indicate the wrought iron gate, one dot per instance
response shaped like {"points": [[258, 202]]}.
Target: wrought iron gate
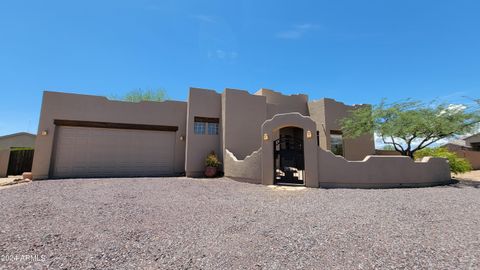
{"points": [[288, 158], [20, 161]]}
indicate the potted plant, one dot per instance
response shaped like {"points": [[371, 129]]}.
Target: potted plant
{"points": [[211, 165]]}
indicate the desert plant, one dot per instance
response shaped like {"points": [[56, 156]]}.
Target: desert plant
{"points": [[212, 160], [456, 163], [20, 149], [138, 95]]}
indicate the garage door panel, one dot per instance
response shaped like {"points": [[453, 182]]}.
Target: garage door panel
{"points": [[99, 152]]}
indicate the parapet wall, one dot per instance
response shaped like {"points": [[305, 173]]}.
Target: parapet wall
{"points": [[380, 171], [246, 170]]}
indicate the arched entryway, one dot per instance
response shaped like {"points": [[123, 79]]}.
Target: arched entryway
{"points": [[297, 126], [288, 157]]}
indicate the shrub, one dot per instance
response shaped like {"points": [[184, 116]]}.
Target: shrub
{"points": [[20, 149], [212, 160], [139, 95], [456, 163]]}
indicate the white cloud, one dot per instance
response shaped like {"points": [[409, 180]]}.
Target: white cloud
{"points": [[456, 107], [306, 26], [453, 109], [297, 31], [289, 34], [204, 18], [222, 55]]}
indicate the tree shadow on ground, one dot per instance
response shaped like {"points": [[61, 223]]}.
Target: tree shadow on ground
{"points": [[464, 183]]}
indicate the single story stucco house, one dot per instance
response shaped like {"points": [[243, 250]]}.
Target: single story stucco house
{"points": [[17, 140], [12, 141], [265, 137]]}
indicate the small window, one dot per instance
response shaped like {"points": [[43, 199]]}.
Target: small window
{"points": [[212, 128], [208, 125], [336, 142], [199, 128]]}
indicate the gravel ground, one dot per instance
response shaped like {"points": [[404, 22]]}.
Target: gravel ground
{"points": [[171, 223]]}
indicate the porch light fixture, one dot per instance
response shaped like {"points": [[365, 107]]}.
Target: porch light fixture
{"points": [[309, 134], [265, 136], [182, 138], [44, 133]]}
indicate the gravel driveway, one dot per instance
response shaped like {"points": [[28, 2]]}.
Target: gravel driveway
{"points": [[172, 223]]}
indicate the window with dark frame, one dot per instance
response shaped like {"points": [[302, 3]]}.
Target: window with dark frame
{"points": [[212, 128], [205, 125], [199, 128], [336, 142]]}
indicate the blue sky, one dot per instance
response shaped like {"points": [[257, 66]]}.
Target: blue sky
{"points": [[353, 51]]}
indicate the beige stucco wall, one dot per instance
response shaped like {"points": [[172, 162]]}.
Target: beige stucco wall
{"points": [[64, 106], [380, 171], [243, 116], [327, 113], [279, 103], [4, 158], [17, 140], [247, 170], [317, 114], [381, 152], [202, 103]]}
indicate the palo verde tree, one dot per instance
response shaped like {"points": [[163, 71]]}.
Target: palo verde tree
{"points": [[410, 126]]}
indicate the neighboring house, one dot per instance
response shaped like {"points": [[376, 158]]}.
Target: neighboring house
{"points": [[473, 141], [16, 140], [265, 137], [468, 148]]}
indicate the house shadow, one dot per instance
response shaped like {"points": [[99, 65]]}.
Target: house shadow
{"points": [[464, 183]]}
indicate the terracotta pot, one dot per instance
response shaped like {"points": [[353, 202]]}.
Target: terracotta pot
{"points": [[210, 171]]}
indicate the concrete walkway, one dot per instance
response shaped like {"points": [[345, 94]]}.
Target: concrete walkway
{"points": [[11, 181], [469, 176]]}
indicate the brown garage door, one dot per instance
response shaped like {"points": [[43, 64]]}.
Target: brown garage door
{"points": [[102, 152]]}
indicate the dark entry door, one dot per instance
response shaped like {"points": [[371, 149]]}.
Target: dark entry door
{"points": [[289, 165]]}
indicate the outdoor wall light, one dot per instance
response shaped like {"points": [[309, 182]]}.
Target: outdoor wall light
{"points": [[309, 134], [182, 138], [265, 136], [44, 132]]}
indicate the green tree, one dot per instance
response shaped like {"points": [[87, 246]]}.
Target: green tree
{"points": [[138, 95], [456, 163], [410, 126]]}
